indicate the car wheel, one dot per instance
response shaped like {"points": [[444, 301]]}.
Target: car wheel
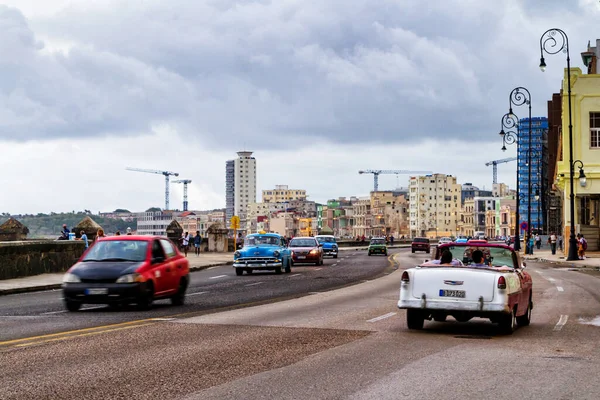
{"points": [[413, 251], [335, 256], [288, 267], [507, 323], [385, 254], [179, 298], [239, 271], [145, 299], [248, 270], [525, 319], [72, 305], [369, 253], [414, 319], [322, 261], [278, 270]]}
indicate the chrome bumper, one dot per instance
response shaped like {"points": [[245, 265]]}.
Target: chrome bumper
{"points": [[475, 306]]}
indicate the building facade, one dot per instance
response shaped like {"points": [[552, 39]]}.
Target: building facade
{"points": [[240, 186], [468, 191], [281, 194], [435, 202], [154, 222]]}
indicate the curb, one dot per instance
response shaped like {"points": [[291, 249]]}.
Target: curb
{"points": [[41, 288], [565, 263]]}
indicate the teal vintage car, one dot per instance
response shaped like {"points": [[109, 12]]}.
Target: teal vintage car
{"points": [[263, 251]]}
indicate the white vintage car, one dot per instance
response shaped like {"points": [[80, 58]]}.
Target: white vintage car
{"points": [[494, 286]]}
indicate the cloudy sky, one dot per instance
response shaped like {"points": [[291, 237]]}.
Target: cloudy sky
{"points": [[317, 89]]}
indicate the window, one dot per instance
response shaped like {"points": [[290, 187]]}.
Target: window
{"points": [[168, 247], [595, 130]]}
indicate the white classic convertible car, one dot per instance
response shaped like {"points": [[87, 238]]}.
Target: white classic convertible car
{"points": [[467, 280]]}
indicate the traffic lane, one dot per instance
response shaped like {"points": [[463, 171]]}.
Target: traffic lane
{"points": [[41, 313]]}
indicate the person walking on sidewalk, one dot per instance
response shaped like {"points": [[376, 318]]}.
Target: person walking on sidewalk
{"points": [[582, 246], [197, 241], [185, 243], [538, 241], [552, 239]]}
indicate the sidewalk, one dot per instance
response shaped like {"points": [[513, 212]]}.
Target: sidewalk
{"points": [[53, 281], [592, 259]]}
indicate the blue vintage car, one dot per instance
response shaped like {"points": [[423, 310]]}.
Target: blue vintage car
{"points": [[263, 251], [330, 246]]}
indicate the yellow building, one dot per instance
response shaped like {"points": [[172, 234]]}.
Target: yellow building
{"points": [[585, 103], [281, 194]]}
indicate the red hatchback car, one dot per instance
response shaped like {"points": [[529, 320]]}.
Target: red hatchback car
{"points": [[306, 250], [119, 270]]}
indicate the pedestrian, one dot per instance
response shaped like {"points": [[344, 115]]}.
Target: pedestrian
{"points": [[100, 234], [538, 241], [128, 231], [552, 240], [84, 238], [530, 242], [64, 233], [118, 233], [197, 241], [560, 242], [581, 246], [186, 243], [392, 240]]}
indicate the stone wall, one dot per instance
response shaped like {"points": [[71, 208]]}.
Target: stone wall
{"points": [[33, 257]]}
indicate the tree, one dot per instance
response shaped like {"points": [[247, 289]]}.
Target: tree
{"points": [[122, 210], [153, 209]]}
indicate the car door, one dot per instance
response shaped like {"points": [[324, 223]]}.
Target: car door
{"points": [[525, 283], [172, 266], [158, 268], [285, 251]]}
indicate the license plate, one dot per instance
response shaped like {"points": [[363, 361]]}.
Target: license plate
{"points": [[96, 291], [301, 257], [452, 293]]}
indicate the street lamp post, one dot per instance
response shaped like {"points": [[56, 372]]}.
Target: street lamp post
{"points": [[510, 121], [520, 96], [550, 45], [535, 188]]}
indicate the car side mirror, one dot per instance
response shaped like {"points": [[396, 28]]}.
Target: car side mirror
{"points": [[320, 244]]}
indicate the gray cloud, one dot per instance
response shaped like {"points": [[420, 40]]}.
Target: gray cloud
{"points": [[272, 73]]}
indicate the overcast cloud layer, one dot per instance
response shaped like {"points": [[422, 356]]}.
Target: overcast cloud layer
{"points": [[318, 89]]}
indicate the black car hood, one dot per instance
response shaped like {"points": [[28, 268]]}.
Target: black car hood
{"points": [[104, 269]]}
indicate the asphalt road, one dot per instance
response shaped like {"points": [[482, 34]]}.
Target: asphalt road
{"points": [[350, 343], [39, 313]]}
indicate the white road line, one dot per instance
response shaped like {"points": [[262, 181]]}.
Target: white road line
{"points": [[561, 322], [560, 289], [195, 294], [163, 319], [254, 284], [92, 308], [218, 276], [209, 268], [384, 316], [551, 279], [318, 269], [295, 275], [54, 312]]}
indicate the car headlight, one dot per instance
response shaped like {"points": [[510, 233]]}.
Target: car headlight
{"points": [[130, 278], [276, 253], [314, 251], [71, 278], [237, 254]]}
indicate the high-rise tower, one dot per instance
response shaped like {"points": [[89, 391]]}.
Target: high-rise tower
{"points": [[240, 186]]}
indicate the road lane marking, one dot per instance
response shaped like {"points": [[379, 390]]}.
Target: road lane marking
{"points": [[55, 312], [318, 269], [92, 307], [218, 276], [561, 322], [211, 268], [560, 289], [551, 279], [81, 335], [74, 332], [295, 275], [195, 294], [254, 284], [384, 316]]}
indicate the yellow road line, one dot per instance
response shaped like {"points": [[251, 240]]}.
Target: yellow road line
{"points": [[76, 331], [82, 335]]}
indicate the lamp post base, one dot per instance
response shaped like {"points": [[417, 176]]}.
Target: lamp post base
{"points": [[573, 245]]}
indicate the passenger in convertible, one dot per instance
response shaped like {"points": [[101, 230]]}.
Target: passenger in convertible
{"points": [[477, 257]]}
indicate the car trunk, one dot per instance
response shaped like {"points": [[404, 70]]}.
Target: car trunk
{"points": [[475, 283]]}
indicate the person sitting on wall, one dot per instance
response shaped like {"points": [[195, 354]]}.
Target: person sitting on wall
{"points": [[64, 234]]}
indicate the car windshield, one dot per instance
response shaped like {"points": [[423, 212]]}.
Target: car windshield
{"points": [[261, 240], [325, 239], [377, 241], [302, 243], [492, 256], [117, 250]]}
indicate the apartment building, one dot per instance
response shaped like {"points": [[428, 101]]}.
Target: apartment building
{"points": [[154, 222], [282, 193], [434, 205], [240, 186]]}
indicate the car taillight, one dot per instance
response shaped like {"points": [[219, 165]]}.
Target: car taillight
{"points": [[501, 283], [405, 277]]}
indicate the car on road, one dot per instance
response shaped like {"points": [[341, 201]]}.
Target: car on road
{"points": [[444, 240], [461, 239], [306, 250], [330, 246], [420, 244], [263, 251], [498, 288], [120, 270], [377, 246]]}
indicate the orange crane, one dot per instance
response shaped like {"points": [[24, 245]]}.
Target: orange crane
{"points": [[376, 173], [165, 173], [185, 183]]}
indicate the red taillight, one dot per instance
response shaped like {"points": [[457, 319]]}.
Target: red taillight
{"points": [[405, 277], [501, 283]]}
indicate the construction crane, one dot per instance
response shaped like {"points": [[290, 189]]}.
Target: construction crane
{"points": [[387, 171], [165, 173], [185, 183], [495, 163]]}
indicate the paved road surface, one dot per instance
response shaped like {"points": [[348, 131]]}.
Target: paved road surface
{"points": [[350, 343]]}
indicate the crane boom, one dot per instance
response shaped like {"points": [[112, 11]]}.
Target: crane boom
{"points": [[494, 165], [376, 173], [185, 198], [167, 174]]}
